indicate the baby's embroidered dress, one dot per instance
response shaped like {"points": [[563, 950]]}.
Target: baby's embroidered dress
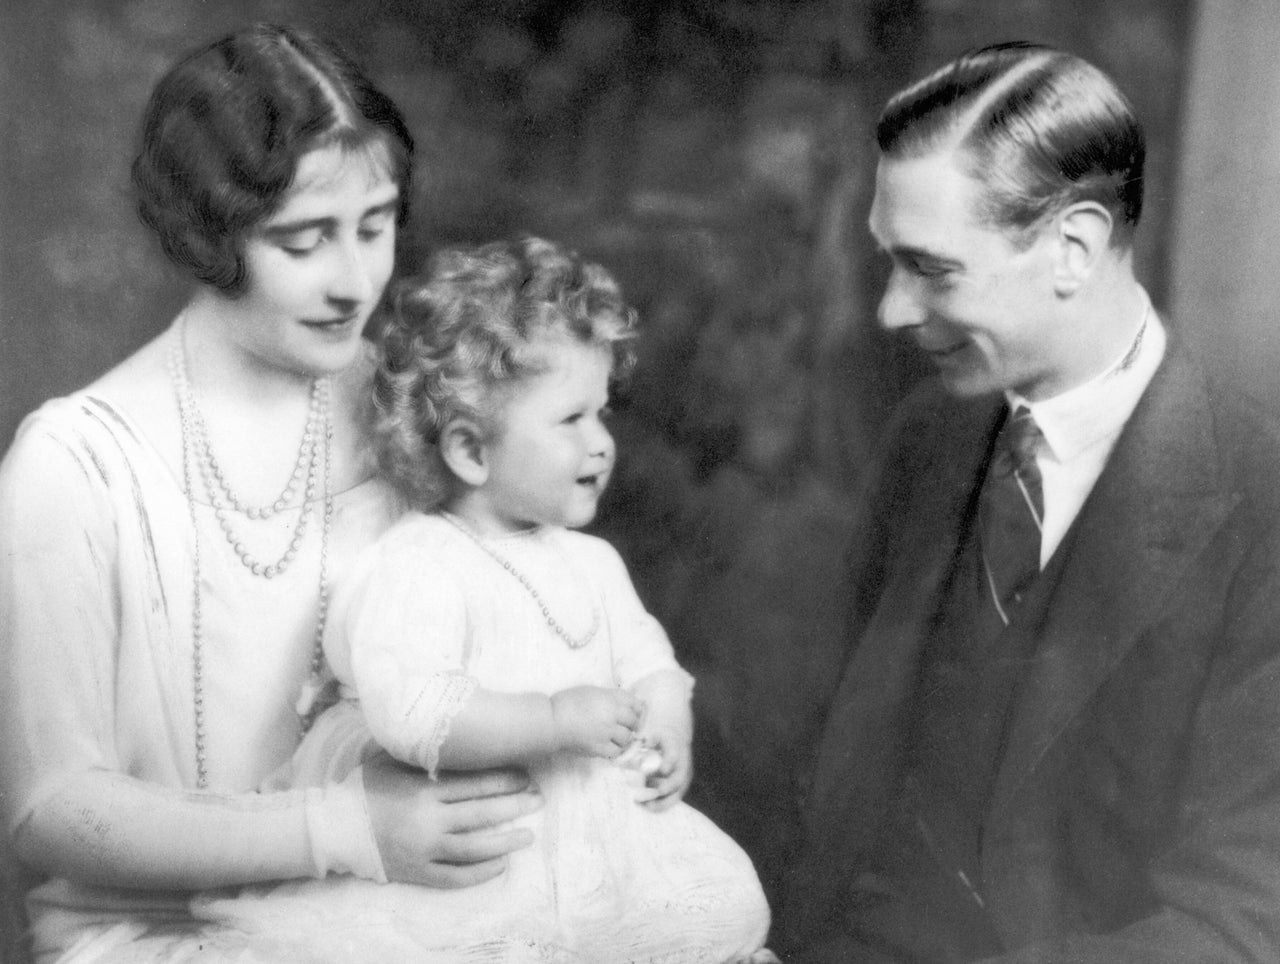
{"points": [[427, 616]]}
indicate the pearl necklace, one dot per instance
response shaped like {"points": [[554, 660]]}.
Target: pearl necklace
{"points": [[573, 642], [221, 495], [196, 449], [304, 465]]}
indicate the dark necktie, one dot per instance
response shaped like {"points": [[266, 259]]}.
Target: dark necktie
{"points": [[1010, 513]]}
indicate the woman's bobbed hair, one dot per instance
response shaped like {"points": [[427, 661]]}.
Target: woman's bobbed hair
{"points": [[1038, 128], [225, 128], [462, 333]]}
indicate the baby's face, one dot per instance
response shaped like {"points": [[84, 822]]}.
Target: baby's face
{"points": [[549, 455]]}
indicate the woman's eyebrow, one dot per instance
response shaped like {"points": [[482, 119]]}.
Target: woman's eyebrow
{"points": [[386, 207], [282, 228]]}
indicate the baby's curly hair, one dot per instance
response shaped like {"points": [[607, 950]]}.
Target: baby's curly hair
{"points": [[469, 326]]}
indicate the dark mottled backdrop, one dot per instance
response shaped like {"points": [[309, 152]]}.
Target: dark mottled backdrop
{"points": [[714, 153]]}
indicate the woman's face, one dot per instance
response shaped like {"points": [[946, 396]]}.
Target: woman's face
{"points": [[317, 267]]}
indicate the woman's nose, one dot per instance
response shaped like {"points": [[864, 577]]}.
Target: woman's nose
{"points": [[352, 279]]}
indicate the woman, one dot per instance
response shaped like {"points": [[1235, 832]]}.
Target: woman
{"points": [[170, 534]]}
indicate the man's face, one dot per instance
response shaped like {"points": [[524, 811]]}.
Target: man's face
{"points": [[982, 307]]}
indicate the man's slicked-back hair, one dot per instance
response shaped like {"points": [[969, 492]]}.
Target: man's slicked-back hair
{"points": [[224, 131], [1040, 129]]}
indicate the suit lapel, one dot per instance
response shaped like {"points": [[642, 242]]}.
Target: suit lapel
{"points": [[1153, 510], [858, 755]]}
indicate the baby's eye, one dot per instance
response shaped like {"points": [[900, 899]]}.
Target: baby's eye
{"points": [[573, 418]]}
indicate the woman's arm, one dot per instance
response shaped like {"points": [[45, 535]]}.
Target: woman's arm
{"points": [[66, 796], [110, 829], [69, 498]]}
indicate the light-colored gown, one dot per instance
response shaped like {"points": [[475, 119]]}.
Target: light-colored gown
{"points": [[96, 590], [427, 615]]}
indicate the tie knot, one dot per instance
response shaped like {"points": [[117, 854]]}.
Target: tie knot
{"points": [[1019, 439]]}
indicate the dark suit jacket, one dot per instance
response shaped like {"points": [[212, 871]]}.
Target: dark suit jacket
{"points": [[1136, 810]]}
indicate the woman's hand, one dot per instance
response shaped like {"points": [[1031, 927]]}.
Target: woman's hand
{"points": [[446, 832], [594, 720]]}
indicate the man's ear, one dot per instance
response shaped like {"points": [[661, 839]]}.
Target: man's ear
{"points": [[463, 451], [1083, 239]]}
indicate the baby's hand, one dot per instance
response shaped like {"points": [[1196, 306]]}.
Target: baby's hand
{"points": [[666, 784], [595, 721]]}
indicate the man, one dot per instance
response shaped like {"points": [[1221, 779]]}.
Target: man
{"points": [[1057, 733]]}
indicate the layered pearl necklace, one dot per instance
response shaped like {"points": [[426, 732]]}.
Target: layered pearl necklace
{"points": [[312, 464], [573, 642]]}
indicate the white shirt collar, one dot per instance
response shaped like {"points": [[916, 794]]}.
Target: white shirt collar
{"points": [[1095, 411]]}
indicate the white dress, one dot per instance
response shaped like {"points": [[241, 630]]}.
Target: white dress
{"points": [[96, 712], [427, 615]]}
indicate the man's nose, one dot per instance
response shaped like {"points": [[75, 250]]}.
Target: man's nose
{"points": [[899, 306]]}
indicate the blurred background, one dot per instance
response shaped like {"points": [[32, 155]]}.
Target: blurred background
{"points": [[717, 156]]}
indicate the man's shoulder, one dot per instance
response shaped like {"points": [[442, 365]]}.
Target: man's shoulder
{"points": [[1243, 432], [1249, 438]]}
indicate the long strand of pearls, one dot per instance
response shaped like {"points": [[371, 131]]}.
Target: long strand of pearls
{"points": [[220, 494], [197, 653], [306, 456], [197, 451]]}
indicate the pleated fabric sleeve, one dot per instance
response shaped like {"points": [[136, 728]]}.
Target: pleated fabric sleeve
{"points": [[97, 760]]}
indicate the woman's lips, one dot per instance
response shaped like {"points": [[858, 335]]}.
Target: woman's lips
{"points": [[330, 324]]}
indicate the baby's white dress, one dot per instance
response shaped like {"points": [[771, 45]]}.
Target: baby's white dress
{"points": [[426, 616]]}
